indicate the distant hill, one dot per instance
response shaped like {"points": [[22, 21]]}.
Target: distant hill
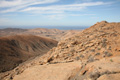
{"points": [[17, 49], [11, 31], [55, 34]]}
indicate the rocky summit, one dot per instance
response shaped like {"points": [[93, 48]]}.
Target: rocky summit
{"points": [[92, 54]]}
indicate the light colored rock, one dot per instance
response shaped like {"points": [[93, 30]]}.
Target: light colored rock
{"points": [[101, 70], [61, 71], [110, 77], [102, 37]]}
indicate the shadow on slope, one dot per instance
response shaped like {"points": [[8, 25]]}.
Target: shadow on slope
{"points": [[17, 49]]}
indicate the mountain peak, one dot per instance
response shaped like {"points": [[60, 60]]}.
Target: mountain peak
{"points": [[103, 22]]}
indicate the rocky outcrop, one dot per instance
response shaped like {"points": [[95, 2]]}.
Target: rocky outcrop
{"points": [[61, 71], [106, 68], [99, 41], [100, 70]]}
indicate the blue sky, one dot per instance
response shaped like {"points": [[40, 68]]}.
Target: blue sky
{"points": [[36, 13]]}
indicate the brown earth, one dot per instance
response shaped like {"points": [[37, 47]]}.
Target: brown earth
{"points": [[11, 31], [99, 41], [17, 49], [103, 69], [55, 34], [92, 54]]}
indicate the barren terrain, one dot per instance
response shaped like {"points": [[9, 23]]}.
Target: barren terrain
{"points": [[92, 54], [55, 34], [17, 49]]}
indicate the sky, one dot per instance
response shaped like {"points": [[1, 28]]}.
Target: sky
{"points": [[57, 13]]}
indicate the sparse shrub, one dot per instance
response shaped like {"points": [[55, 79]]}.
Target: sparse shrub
{"points": [[97, 54], [107, 54], [94, 75], [77, 58], [69, 55], [104, 43], [105, 72], [109, 48], [111, 60], [82, 56], [92, 50], [99, 48], [104, 40], [91, 59]]}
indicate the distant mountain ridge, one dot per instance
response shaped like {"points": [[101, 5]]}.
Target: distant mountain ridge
{"points": [[55, 34]]}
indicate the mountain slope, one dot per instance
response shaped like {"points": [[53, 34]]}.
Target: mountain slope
{"points": [[17, 49], [98, 41], [93, 54], [103, 69]]}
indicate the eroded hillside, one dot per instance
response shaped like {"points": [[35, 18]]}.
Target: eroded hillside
{"points": [[93, 54], [17, 49]]}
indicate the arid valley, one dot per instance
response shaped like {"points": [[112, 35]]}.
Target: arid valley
{"points": [[90, 54], [59, 39]]}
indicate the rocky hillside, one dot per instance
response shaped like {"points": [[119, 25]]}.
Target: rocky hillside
{"points": [[99, 41], [104, 69], [93, 54], [17, 49]]}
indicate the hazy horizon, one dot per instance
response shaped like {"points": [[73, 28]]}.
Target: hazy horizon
{"points": [[49, 27]]}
